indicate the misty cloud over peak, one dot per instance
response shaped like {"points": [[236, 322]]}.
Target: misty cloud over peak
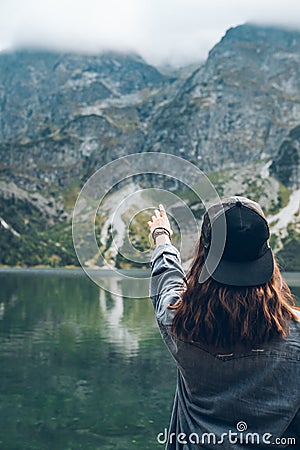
{"points": [[162, 31]]}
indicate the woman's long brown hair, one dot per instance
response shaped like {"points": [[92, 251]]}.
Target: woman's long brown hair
{"points": [[224, 316]]}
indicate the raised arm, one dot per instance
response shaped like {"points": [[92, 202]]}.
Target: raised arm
{"points": [[167, 274]]}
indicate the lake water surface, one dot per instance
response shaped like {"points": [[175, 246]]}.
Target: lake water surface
{"points": [[81, 368]]}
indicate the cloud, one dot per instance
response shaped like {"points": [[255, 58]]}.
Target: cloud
{"points": [[174, 31]]}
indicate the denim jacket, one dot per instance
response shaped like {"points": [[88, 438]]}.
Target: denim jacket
{"points": [[229, 401]]}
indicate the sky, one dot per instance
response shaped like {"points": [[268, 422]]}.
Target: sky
{"points": [[176, 32]]}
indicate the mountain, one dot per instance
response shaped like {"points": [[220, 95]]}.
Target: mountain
{"points": [[59, 111], [236, 116], [237, 107]]}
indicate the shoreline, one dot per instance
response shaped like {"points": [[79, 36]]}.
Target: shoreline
{"points": [[293, 278], [139, 273]]}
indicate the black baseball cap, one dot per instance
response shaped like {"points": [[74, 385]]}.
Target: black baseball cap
{"points": [[246, 258]]}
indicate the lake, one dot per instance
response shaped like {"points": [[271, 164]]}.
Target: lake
{"points": [[81, 368]]}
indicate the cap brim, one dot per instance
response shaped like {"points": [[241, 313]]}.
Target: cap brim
{"points": [[243, 273]]}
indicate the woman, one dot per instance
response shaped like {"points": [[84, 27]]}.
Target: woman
{"points": [[233, 331]]}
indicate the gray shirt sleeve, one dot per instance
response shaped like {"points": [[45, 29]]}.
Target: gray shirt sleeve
{"points": [[166, 281]]}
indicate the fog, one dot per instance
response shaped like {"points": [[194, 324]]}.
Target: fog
{"points": [[163, 31]]}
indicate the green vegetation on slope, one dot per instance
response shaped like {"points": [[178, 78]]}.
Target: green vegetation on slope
{"points": [[44, 244], [38, 243], [289, 255]]}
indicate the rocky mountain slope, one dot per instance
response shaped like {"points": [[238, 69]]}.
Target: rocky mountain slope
{"points": [[240, 105], [236, 116], [58, 112]]}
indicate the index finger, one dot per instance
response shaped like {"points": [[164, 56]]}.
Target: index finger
{"points": [[162, 209]]}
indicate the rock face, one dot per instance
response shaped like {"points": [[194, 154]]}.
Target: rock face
{"points": [[65, 115], [62, 113], [286, 164], [240, 105]]}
